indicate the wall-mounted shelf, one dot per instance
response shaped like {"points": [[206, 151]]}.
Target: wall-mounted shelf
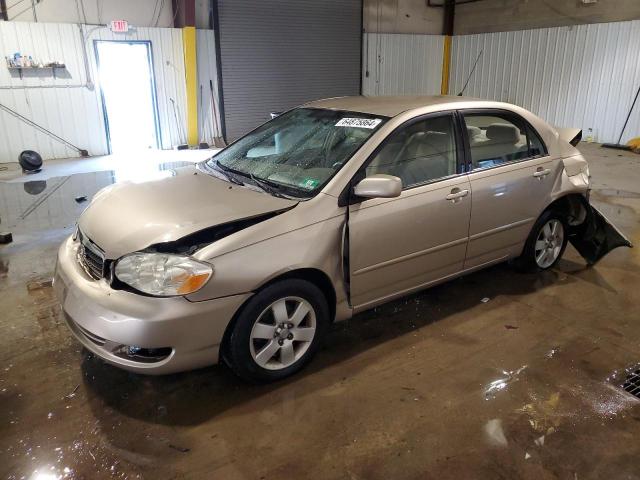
{"points": [[51, 67]]}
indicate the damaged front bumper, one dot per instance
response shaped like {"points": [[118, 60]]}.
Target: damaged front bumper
{"points": [[140, 333]]}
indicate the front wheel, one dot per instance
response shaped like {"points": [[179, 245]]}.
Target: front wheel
{"points": [[278, 331], [546, 243]]}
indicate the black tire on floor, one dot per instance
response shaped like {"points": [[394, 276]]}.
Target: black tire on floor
{"points": [[237, 352], [30, 160], [526, 262]]}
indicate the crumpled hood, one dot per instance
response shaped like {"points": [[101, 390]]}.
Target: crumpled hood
{"points": [[127, 217]]}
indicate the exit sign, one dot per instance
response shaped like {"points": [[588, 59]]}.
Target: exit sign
{"points": [[119, 26]]}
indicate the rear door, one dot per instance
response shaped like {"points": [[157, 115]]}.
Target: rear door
{"points": [[511, 177], [400, 244]]}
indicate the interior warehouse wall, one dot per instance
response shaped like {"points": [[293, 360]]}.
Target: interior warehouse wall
{"points": [[509, 15], [69, 105], [583, 77], [209, 127], [401, 64], [144, 13]]}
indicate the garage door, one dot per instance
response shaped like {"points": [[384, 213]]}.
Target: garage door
{"points": [[276, 54]]}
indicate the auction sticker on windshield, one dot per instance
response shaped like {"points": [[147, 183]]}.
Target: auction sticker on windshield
{"points": [[359, 122]]}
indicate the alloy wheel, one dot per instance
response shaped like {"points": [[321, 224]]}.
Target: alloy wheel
{"points": [[283, 333], [549, 243]]}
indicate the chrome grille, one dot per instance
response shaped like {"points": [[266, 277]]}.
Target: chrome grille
{"points": [[90, 257]]}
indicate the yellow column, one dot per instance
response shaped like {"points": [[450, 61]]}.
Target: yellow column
{"points": [[191, 79], [446, 63]]}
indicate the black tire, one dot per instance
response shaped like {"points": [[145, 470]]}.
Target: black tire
{"points": [[30, 161], [527, 260], [237, 348]]}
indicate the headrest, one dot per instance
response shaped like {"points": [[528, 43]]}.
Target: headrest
{"points": [[503, 133], [473, 131]]}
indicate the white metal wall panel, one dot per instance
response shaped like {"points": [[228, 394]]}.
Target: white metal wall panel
{"points": [[401, 64], [582, 76], [277, 54], [64, 104], [208, 121]]}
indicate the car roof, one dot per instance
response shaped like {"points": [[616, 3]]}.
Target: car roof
{"points": [[392, 105]]}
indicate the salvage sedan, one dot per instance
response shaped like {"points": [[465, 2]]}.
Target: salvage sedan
{"points": [[327, 210]]}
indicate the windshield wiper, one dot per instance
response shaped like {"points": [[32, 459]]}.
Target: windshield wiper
{"points": [[268, 187], [225, 171], [271, 188]]}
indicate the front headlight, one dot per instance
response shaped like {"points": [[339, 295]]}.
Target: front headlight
{"points": [[162, 274]]}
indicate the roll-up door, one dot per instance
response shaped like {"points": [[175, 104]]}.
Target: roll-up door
{"points": [[276, 54]]}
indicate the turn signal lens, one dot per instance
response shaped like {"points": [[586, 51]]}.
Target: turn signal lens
{"points": [[193, 283]]}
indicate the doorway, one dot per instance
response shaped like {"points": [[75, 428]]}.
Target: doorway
{"points": [[127, 87]]}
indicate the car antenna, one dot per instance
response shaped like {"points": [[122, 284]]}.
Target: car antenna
{"points": [[471, 74]]}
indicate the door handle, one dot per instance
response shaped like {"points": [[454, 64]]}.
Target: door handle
{"points": [[540, 173], [456, 194]]}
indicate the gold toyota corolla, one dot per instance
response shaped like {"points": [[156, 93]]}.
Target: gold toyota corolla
{"points": [[325, 211]]}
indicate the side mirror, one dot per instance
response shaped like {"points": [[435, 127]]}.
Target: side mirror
{"points": [[379, 186]]}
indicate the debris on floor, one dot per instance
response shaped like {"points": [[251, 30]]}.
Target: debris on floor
{"points": [[179, 449], [73, 393], [6, 237], [485, 299], [511, 327], [552, 353], [80, 199], [494, 433]]}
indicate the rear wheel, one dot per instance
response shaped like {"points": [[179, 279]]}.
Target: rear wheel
{"points": [[546, 243], [278, 331]]}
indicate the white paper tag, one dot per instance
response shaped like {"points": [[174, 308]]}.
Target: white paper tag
{"points": [[359, 122]]}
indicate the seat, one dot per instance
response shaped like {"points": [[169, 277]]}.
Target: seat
{"points": [[503, 143], [425, 156]]}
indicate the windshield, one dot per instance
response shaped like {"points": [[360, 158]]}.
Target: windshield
{"points": [[297, 152]]}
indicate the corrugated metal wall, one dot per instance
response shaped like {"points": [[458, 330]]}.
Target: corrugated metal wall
{"points": [[208, 123], [401, 64], [583, 76], [281, 53], [64, 104]]}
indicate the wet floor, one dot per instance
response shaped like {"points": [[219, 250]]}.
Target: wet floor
{"points": [[495, 375]]}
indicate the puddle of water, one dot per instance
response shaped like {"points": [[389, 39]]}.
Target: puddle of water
{"points": [[40, 205], [501, 383], [47, 205]]}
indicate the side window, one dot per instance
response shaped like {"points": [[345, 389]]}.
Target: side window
{"points": [[495, 139], [536, 147], [419, 153]]}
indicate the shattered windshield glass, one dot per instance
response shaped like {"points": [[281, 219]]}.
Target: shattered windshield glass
{"points": [[298, 152]]}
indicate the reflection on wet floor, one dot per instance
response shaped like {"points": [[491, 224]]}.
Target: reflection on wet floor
{"points": [[50, 204], [442, 384]]}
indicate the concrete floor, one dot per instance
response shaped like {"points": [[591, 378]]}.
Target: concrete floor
{"points": [[438, 385]]}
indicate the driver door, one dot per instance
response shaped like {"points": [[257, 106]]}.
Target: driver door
{"points": [[401, 244]]}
